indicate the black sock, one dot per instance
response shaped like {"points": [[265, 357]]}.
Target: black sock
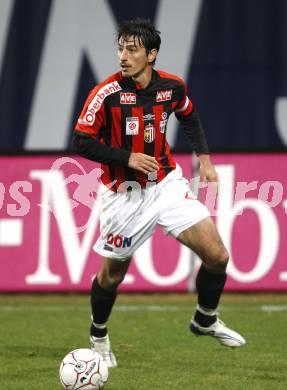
{"points": [[203, 319], [102, 302], [209, 287]]}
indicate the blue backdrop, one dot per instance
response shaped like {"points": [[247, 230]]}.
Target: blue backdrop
{"points": [[236, 71]]}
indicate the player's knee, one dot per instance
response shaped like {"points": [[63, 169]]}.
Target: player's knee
{"points": [[111, 280], [116, 279], [220, 260]]}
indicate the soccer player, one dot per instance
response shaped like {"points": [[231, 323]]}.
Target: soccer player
{"points": [[123, 125]]}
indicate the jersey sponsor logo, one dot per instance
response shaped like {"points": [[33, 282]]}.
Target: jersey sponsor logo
{"points": [[164, 115], [132, 125], [149, 133], [149, 117], [164, 95], [128, 98], [119, 241], [162, 126], [97, 101]]}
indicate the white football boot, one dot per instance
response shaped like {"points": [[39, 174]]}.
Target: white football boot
{"points": [[102, 345], [218, 330]]}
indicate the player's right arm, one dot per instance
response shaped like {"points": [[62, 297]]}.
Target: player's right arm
{"points": [[143, 163], [88, 143], [93, 149]]}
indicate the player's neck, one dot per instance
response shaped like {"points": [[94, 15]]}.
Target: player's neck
{"points": [[143, 79]]}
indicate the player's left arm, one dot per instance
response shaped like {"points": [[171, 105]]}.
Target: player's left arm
{"points": [[207, 171], [189, 119]]}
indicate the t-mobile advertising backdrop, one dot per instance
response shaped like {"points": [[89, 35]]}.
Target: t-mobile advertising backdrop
{"points": [[49, 222]]}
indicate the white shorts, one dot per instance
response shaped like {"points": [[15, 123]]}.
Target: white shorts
{"points": [[128, 219]]}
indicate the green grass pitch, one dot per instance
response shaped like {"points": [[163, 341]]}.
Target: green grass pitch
{"points": [[151, 339]]}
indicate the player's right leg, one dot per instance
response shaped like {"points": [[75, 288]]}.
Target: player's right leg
{"points": [[127, 220], [103, 296]]}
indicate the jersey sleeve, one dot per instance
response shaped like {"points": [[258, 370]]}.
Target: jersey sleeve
{"points": [[87, 140], [189, 119], [93, 149], [184, 106]]}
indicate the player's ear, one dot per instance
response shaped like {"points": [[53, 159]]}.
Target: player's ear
{"points": [[152, 55]]}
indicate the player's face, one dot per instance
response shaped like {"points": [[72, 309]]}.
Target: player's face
{"points": [[133, 57]]}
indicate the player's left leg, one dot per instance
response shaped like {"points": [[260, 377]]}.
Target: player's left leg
{"points": [[204, 239]]}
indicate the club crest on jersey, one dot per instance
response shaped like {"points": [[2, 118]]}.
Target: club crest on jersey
{"points": [[149, 133], [132, 125], [164, 95], [128, 98], [162, 126]]}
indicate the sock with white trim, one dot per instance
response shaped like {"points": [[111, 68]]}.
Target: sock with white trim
{"points": [[209, 286]]}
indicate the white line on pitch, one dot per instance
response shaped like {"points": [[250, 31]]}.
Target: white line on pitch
{"points": [[272, 308], [126, 308], [123, 308], [148, 308]]}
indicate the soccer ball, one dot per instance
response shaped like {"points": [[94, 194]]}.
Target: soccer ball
{"points": [[83, 369]]}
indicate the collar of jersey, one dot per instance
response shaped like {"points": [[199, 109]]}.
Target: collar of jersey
{"points": [[136, 87]]}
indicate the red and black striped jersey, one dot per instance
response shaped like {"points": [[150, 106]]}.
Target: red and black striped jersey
{"points": [[125, 118]]}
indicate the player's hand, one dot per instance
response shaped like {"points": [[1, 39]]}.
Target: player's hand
{"points": [[143, 163], [207, 171]]}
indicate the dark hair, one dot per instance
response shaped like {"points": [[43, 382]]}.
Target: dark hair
{"points": [[144, 30]]}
